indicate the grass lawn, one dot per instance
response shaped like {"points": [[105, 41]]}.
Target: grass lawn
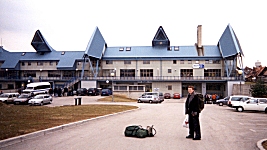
{"points": [[17, 120]]}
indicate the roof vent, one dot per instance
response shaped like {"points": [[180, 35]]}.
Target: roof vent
{"points": [[121, 49], [22, 54], [63, 53], [128, 48]]}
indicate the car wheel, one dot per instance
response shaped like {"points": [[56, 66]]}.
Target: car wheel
{"points": [[266, 110], [41, 104], [220, 104], [50, 102], [239, 109], [139, 101], [150, 101]]}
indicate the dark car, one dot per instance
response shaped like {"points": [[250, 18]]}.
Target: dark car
{"points": [[167, 95], [22, 99], [222, 102], [93, 91], [81, 92], [106, 92]]}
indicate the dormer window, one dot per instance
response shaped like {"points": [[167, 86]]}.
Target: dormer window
{"points": [[169, 48], [176, 48], [128, 48], [63, 53], [22, 54], [121, 49]]}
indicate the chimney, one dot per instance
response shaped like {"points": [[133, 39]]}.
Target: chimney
{"points": [[199, 46]]}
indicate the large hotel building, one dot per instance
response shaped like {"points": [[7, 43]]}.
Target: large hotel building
{"points": [[129, 70]]}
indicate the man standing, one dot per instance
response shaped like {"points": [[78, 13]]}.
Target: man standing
{"points": [[192, 109]]}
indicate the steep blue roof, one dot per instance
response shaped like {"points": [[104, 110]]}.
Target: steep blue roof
{"points": [[229, 44], [39, 43], [96, 45]]}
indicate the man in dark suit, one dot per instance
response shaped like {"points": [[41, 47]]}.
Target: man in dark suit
{"points": [[192, 109]]}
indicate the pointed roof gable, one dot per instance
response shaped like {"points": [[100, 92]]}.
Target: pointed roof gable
{"points": [[96, 45], [39, 43], [229, 44], [161, 38]]}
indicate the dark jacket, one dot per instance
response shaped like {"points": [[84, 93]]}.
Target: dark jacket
{"points": [[192, 104]]}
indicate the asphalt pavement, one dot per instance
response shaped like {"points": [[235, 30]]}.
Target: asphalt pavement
{"points": [[221, 128]]}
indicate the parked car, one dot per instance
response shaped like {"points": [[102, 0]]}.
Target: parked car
{"points": [[22, 99], [223, 101], [93, 91], [8, 97], [256, 104], [41, 100], [176, 96], [234, 101], [157, 94], [106, 92], [148, 99], [167, 95], [81, 92]]}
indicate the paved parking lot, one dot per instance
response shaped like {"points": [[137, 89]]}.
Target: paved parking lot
{"points": [[221, 127]]}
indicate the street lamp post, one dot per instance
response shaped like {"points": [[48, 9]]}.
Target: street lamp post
{"points": [[240, 72], [112, 75]]}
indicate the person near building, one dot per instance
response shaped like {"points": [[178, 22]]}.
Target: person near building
{"points": [[192, 109]]}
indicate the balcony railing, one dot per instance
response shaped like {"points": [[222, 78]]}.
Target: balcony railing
{"points": [[118, 78]]}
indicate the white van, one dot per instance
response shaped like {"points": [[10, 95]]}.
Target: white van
{"points": [[158, 94], [236, 100], [37, 88], [8, 97]]}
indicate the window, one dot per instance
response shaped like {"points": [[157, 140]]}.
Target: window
{"points": [[186, 72], [52, 73], [216, 62], [29, 63], [51, 63], [146, 62], [127, 62], [128, 48], [29, 73], [121, 49], [212, 72], [22, 63], [169, 70], [176, 48], [181, 61], [206, 61], [127, 72], [189, 61], [169, 87], [169, 48], [174, 61], [40, 63], [109, 62], [146, 72]]}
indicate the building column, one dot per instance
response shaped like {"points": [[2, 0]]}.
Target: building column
{"points": [[204, 89]]}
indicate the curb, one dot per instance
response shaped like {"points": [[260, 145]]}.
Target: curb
{"points": [[259, 144], [21, 138]]}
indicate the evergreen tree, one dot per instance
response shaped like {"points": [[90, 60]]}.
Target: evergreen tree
{"points": [[259, 89]]}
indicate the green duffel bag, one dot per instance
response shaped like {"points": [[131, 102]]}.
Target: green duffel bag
{"points": [[141, 133], [131, 130]]}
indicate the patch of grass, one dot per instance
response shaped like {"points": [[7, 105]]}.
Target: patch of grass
{"points": [[117, 98], [17, 120]]}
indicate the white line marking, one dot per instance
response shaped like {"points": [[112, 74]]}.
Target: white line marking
{"points": [[252, 130], [241, 123]]}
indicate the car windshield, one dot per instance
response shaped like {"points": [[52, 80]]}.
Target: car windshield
{"points": [[24, 96], [38, 97], [4, 95], [105, 90]]}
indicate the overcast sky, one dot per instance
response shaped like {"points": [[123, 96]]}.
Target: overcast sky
{"points": [[68, 25]]}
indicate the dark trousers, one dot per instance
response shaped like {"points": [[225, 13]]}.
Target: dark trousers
{"points": [[194, 126]]}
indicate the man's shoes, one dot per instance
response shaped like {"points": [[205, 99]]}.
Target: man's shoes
{"points": [[196, 138], [189, 137]]}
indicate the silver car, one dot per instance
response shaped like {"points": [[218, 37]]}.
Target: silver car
{"points": [[41, 100], [148, 99]]}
